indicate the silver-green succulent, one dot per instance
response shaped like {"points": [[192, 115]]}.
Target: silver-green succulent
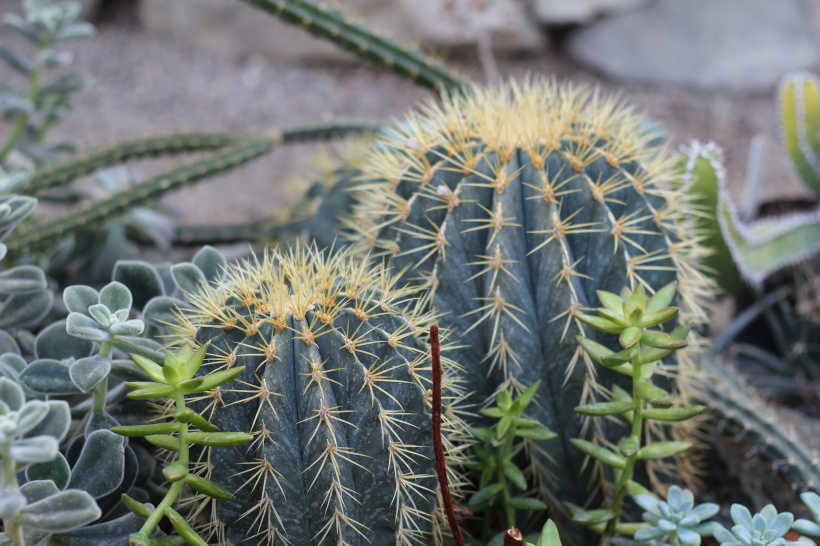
{"points": [[675, 521], [766, 528]]}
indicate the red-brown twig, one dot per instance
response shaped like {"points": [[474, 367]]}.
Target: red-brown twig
{"points": [[441, 465], [513, 537]]}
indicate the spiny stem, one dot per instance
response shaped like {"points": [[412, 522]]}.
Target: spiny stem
{"points": [[101, 390], [12, 529], [438, 448]]}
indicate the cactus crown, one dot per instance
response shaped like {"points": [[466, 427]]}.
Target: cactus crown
{"points": [[336, 394]]}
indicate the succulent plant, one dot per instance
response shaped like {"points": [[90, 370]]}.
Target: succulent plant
{"points": [[175, 380], [336, 394], [766, 528], [43, 104], [812, 502], [676, 521], [30, 432], [513, 206]]}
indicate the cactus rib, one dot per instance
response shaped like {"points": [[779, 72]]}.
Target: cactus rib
{"points": [[740, 410], [798, 98], [349, 34]]}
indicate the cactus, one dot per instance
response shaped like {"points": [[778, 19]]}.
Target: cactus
{"points": [[352, 35], [704, 176], [336, 394], [513, 206], [798, 101]]}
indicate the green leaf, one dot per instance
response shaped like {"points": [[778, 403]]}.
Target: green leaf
{"points": [[527, 396], [630, 337], [515, 475], [662, 450], [151, 368], [193, 362], [493, 413], [485, 494], [637, 300], [620, 358], [188, 277], [146, 430], [49, 377], [658, 317], [615, 318], [171, 375], [673, 415], [85, 327], [191, 385], [139, 539], [213, 490], [57, 471], [522, 422], [219, 439], [549, 535], [653, 395], [100, 468], [662, 298], [211, 262], [594, 349], [611, 301], [175, 471], [116, 296], [662, 341], [87, 373], [587, 517], [141, 510], [216, 379], [189, 416], [605, 408], [483, 434], [541, 434], [503, 426], [184, 529], [602, 324], [528, 503], [147, 391], [169, 443], [600, 453]]}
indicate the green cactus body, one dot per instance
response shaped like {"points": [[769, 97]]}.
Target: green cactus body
{"points": [[514, 206], [703, 178], [798, 100], [335, 392]]}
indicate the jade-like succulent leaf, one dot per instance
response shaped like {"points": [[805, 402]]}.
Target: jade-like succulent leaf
{"points": [[24, 310], [22, 280], [39, 449], [11, 394], [132, 327], [50, 377], [87, 373], [11, 502], [8, 344], [30, 415], [188, 277], [211, 262], [85, 327], [62, 512], [116, 296], [162, 311], [79, 298], [101, 466], [110, 533], [54, 342], [57, 471], [141, 279], [56, 423], [38, 490]]}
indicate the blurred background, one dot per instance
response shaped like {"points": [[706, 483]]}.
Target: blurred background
{"points": [[704, 69]]}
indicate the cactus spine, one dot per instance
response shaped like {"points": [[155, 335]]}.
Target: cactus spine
{"points": [[514, 205], [336, 395]]}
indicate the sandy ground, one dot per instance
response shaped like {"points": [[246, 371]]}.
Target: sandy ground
{"points": [[143, 85]]}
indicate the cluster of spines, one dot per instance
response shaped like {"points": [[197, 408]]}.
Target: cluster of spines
{"points": [[357, 37], [294, 284], [539, 118]]}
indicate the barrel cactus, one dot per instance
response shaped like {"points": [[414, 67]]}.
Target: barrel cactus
{"points": [[512, 207], [336, 393]]}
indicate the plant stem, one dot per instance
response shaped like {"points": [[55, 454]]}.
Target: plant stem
{"points": [[33, 89], [13, 530], [101, 390], [176, 488], [504, 455], [635, 437]]}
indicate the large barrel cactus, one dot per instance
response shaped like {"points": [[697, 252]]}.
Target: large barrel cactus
{"points": [[512, 207], [336, 394]]}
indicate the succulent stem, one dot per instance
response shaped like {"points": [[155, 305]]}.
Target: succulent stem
{"points": [[12, 529], [101, 390]]}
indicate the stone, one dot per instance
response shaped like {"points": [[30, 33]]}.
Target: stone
{"points": [[739, 45], [237, 29], [562, 12]]}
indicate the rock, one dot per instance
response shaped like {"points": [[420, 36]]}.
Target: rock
{"points": [[740, 45], [580, 11], [237, 29]]}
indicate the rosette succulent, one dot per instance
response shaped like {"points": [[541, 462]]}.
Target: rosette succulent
{"points": [[766, 528], [676, 520]]}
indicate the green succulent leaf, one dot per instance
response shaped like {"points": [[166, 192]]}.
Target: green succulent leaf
{"points": [[620, 358], [541, 434], [674, 414], [150, 367], [605, 408], [62, 512], [594, 349], [146, 430], [11, 502], [164, 441], [191, 417], [88, 372], [175, 471], [630, 337], [138, 508], [85, 327], [603, 324], [211, 262], [39, 449], [49, 377], [141, 279], [483, 434], [184, 529], [493, 413], [515, 475], [662, 341], [587, 517], [662, 298], [207, 487], [54, 343], [148, 391], [600, 453], [661, 450], [216, 379], [549, 535], [219, 439], [658, 317], [100, 469], [528, 503], [11, 394], [485, 494], [654, 395], [79, 298], [188, 277], [56, 422], [56, 471]]}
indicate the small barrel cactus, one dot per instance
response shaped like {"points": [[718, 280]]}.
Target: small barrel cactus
{"points": [[514, 206], [336, 394]]}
